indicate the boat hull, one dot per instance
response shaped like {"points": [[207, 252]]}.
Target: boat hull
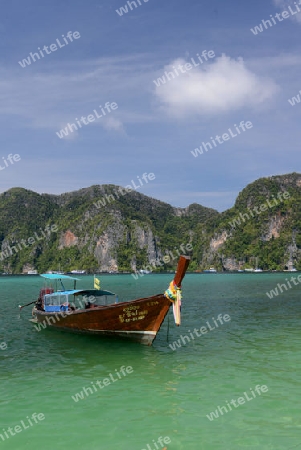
{"points": [[138, 320]]}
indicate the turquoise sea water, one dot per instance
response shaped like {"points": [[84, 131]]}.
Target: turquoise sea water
{"points": [[169, 393]]}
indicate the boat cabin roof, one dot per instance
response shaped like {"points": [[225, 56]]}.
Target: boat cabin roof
{"points": [[56, 276], [95, 292], [59, 301], [71, 292]]}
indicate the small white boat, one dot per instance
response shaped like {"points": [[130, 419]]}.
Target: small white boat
{"points": [[257, 269], [144, 271]]}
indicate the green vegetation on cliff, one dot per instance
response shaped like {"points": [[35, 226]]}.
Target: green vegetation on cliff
{"points": [[97, 229]]}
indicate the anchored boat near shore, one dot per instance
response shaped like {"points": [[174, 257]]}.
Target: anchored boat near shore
{"points": [[77, 310], [211, 270]]}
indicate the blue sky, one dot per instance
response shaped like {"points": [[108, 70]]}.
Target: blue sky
{"points": [[116, 59]]}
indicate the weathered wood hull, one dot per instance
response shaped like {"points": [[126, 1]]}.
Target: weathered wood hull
{"points": [[138, 320]]}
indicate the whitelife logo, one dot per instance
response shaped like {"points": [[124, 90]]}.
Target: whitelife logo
{"points": [[3, 346], [161, 441], [259, 209], [158, 262], [70, 128], [8, 250], [124, 9], [203, 330], [295, 100], [244, 126], [183, 68], [53, 48], [270, 23], [240, 400], [57, 317], [18, 428], [274, 292], [108, 198], [10, 160], [106, 382]]}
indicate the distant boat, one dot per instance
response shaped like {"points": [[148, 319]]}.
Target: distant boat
{"points": [[210, 270], [144, 271], [32, 272], [57, 272], [78, 272], [74, 310], [257, 269], [291, 268]]}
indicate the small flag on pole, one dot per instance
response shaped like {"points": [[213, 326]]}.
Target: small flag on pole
{"points": [[96, 283]]}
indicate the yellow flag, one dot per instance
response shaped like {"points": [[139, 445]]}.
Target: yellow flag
{"points": [[96, 283]]}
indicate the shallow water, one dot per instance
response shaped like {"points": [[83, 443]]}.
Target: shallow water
{"points": [[169, 393]]}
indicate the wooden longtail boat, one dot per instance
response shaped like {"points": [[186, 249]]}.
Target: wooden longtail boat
{"points": [[138, 320]]}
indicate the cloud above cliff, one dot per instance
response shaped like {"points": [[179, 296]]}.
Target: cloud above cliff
{"points": [[219, 87]]}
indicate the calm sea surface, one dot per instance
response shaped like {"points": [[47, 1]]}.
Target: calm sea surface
{"points": [[169, 393]]}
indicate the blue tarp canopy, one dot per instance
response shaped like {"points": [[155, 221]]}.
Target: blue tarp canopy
{"points": [[95, 292], [72, 292], [56, 276]]}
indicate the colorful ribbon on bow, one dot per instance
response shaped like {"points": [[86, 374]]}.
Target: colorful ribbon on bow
{"points": [[174, 294]]}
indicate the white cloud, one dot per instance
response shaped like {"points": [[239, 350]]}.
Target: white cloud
{"points": [[220, 87], [51, 99], [284, 4], [112, 124]]}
